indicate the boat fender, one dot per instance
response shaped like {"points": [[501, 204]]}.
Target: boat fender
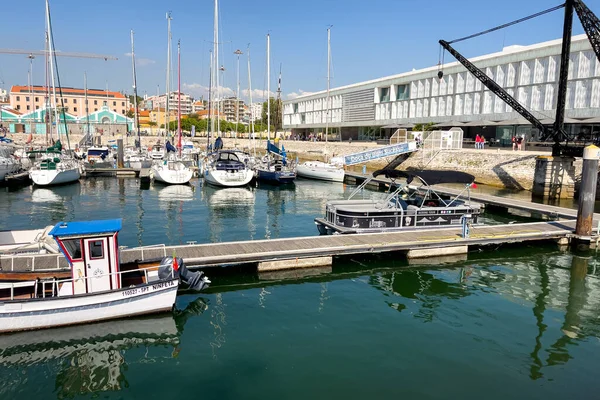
{"points": [[265, 159]]}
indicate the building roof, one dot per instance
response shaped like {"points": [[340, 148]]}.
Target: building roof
{"points": [[68, 91], [79, 228]]}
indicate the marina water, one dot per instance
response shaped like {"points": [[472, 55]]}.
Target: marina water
{"points": [[511, 322]]}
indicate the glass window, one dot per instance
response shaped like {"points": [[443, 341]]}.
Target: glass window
{"points": [[18, 98], [384, 94], [37, 99], [122, 104], [28, 108], [75, 109], [114, 103], [74, 101], [95, 102], [27, 98], [402, 92], [73, 247], [96, 249]]}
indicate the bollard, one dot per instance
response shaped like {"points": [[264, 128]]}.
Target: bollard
{"points": [[119, 153], [364, 169], [587, 193], [465, 221]]}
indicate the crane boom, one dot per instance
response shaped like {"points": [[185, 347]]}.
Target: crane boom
{"points": [[57, 53], [590, 24]]}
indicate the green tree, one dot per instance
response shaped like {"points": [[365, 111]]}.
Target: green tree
{"points": [[152, 123], [130, 114], [139, 99], [276, 113], [427, 127]]}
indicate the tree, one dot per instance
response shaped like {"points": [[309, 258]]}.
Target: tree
{"points": [[152, 123], [139, 99], [276, 113], [427, 127], [130, 114]]}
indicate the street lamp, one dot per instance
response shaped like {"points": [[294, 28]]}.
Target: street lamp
{"points": [[238, 52]]}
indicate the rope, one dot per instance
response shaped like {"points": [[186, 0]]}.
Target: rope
{"points": [[509, 24]]}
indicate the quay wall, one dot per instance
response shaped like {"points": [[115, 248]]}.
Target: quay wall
{"points": [[502, 168]]}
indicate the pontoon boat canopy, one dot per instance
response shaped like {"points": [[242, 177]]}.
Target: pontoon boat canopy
{"points": [[430, 177]]}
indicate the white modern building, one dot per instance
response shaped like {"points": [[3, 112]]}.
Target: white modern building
{"points": [[528, 73], [161, 102], [256, 112]]}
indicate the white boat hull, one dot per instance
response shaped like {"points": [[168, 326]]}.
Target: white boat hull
{"points": [[29, 314], [180, 175], [138, 165], [321, 171], [228, 178], [43, 177]]}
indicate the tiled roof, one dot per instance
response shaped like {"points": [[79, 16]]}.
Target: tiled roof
{"points": [[68, 91]]}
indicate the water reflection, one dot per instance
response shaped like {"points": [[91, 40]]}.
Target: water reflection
{"points": [[228, 207], [92, 358]]}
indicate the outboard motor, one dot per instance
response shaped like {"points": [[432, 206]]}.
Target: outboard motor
{"points": [[195, 280]]}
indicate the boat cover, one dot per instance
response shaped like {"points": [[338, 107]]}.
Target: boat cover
{"points": [[170, 147], [429, 176]]}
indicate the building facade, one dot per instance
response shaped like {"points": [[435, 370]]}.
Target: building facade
{"points": [[161, 101], [528, 73], [256, 112], [27, 99], [232, 108]]}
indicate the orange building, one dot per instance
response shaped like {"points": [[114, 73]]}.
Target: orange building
{"points": [[27, 99]]}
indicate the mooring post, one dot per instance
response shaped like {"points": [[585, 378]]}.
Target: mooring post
{"points": [[587, 194], [120, 153]]}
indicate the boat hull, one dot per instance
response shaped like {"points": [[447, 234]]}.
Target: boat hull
{"points": [[42, 177], [320, 171], [168, 176], [275, 177], [224, 178], [40, 313]]}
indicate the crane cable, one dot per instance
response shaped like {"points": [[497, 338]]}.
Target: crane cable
{"points": [[509, 23]]}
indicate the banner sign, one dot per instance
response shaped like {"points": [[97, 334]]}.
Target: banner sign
{"points": [[380, 152]]}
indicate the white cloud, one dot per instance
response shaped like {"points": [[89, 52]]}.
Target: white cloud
{"points": [[198, 90], [293, 95], [141, 62]]}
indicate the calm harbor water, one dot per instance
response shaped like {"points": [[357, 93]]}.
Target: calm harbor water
{"points": [[517, 322]]}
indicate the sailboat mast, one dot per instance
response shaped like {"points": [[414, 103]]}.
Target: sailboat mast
{"points": [[210, 105], [179, 96], [30, 83], [328, 70], [251, 108], [87, 110], [47, 91], [238, 52], [136, 117], [268, 87], [51, 55], [167, 110], [216, 58], [278, 102]]}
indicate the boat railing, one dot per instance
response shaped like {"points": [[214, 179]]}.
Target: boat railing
{"points": [[54, 285], [33, 256]]}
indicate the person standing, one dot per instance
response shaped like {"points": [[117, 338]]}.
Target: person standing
{"points": [[514, 142], [482, 142], [477, 141], [519, 143]]}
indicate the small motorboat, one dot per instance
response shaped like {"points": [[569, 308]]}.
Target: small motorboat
{"points": [[321, 170], [98, 157], [98, 289], [404, 207], [227, 168]]}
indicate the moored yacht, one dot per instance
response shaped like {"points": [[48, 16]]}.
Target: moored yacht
{"points": [[55, 169], [227, 168]]}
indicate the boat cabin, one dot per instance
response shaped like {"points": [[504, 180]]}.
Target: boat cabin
{"points": [[97, 154], [92, 250], [228, 161]]}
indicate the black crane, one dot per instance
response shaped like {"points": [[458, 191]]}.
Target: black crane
{"points": [[561, 138]]}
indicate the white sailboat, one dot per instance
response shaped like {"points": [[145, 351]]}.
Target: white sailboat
{"points": [[55, 168], [326, 171], [173, 171]]}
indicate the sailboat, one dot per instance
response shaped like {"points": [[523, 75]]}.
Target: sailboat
{"points": [[274, 167], [224, 168], [135, 157], [54, 168], [326, 171], [173, 171]]}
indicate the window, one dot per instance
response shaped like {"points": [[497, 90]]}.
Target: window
{"points": [[122, 104], [37, 107], [75, 109], [74, 101], [96, 249], [123, 112], [18, 106], [18, 98], [95, 109], [73, 247], [384, 94], [114, 103], [27, 98], [105, 103], [295, 108], [28, 108], [37, 99], [402, 92], [95, 102], [114, 110]]}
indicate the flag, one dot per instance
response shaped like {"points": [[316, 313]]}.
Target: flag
{"points": [[193, 130]]}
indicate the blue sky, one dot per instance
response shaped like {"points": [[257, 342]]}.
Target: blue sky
{"points": [[370, 39]]}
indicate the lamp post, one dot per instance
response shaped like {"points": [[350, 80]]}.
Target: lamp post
{"points": [[238, 52]]}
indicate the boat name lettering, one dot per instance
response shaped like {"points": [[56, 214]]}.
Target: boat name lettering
{"points": [[163, 285], [129, 292]]}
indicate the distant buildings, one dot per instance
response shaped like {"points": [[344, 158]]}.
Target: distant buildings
{"points": [[228, 107], [26, 99], [199, 105], [255, 112], [161, 102], [3, 96]]}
